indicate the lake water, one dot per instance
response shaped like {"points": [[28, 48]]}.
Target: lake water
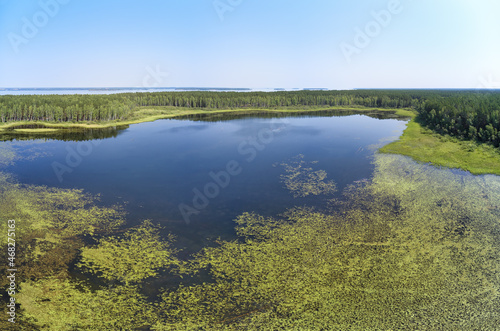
{"points": [[195, 177], [398, 244]]}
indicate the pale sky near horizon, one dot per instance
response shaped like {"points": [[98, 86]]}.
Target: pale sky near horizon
{"points": [[250, 43]]}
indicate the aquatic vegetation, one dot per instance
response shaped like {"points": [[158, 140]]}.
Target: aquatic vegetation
{"points": [[55, 304], [301, 180], [130, 259], [51, 224], [7, 155], [417, 248]]}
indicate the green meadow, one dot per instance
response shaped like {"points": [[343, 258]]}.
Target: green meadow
{"points": [[423, 145]]}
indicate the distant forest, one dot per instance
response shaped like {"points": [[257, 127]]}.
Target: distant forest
{"points": [[467, 115]]}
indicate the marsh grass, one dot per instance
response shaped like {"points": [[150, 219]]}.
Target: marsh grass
{"points": [[425, 146]]}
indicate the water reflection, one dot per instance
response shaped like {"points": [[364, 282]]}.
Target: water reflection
{"points": [[154, 167], [221, 116], [62, 134], [403, 246]]}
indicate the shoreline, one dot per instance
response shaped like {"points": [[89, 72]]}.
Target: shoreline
{"points": [[420, 144], [425, 146], [150, 114]]}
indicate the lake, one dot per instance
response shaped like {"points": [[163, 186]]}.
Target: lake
{"points": [[375, 240], [195, 176]]}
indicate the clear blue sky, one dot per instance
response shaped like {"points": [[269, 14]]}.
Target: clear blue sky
{"points": [[257, 43]]}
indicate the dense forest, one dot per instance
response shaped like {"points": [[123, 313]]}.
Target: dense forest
{"points": [[465, 116], [470, 115], [63, 108]]}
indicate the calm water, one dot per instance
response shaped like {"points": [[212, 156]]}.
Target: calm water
{"points": [[156, 167]]}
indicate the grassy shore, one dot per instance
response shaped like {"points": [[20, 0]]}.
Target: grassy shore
{"points": [[425, 146]]}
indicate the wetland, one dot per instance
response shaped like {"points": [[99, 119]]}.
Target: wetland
{"points": [[294, 222]]}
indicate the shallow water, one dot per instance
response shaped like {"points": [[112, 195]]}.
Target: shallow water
{"points": [[390, 244], [156, 167]]}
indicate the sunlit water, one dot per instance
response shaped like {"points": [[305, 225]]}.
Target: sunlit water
{"points": [[410, 246], [157, 168]]}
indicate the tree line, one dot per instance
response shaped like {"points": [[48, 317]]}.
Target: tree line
{"points": [[463, 114], [469, 116], [84, 108], [64, 108]]}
